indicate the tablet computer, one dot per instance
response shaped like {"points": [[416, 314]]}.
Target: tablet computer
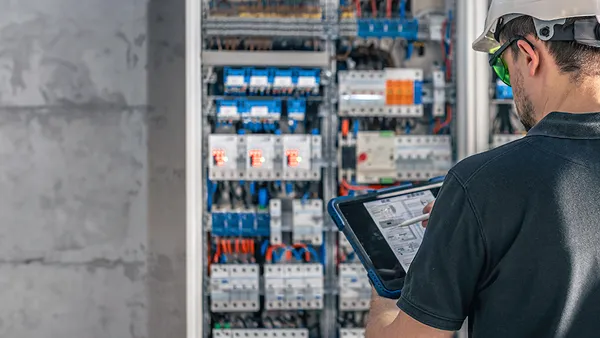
{"points": [[372, 223]]}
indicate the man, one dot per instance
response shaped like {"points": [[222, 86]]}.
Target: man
{"points": [[513, 241]]}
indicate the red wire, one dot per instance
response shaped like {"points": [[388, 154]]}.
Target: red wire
{"points": [[358, 9], [374, 8], [389, 9]]}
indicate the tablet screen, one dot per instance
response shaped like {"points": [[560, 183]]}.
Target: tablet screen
{"points": [[390, 246]]}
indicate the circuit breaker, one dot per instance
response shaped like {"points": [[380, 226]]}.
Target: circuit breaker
{"points": [[301, 155], [307, 221], [234, 288], [376, 156], [293, 286], [353, 280]]}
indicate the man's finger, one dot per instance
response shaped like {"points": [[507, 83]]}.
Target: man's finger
{"points": [[427, 210]]}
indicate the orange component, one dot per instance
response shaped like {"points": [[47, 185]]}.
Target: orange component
{"points": [[345, 127], [399, 92]]}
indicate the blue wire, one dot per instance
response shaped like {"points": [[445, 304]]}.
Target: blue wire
{"points": [[263, 248], [297, 255], [355, 127], [223, 259], [402, 9], [314, 253], [305, 197]]}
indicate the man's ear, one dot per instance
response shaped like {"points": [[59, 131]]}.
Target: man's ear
{"points": [[531, 56]]}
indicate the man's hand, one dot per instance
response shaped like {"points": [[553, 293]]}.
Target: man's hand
{"points": [[427, 210], [386, 320]]}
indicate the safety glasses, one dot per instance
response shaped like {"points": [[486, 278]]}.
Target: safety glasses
{"points": [[498, 64]]}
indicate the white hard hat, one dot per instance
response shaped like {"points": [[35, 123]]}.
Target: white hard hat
{"points": [[543, 10]]}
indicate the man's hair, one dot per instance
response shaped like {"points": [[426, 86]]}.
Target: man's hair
{"points": [[571, 57]]}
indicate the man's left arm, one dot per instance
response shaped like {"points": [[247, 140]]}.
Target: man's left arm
{"points": [[444, 276]]}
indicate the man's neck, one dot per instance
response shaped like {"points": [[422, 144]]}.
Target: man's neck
{"points": [[583, 97]]}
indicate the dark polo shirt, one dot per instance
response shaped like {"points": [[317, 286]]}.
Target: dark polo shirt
{"points": [[514, 238]]}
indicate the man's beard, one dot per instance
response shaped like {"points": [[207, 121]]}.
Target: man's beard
{"points": [[525, 109]]}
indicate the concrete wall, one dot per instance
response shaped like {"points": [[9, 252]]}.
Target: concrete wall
{"points": [[92, 158]]}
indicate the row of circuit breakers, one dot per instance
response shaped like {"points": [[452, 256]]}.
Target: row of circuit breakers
{"points": [[237, 287], [280, 333], [375, 157]]}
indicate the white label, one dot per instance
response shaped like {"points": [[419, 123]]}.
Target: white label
{"points": [[235, 80], [259, 81], [307, 81], [259, 110], [296, 116], [228, 110], [282, 81], [389, 213]]}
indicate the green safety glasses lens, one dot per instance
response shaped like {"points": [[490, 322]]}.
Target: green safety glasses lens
{"points": [[501, 70], [496, 62]]}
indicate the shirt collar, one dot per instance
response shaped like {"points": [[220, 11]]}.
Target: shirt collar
{"points": [[566, 125]]}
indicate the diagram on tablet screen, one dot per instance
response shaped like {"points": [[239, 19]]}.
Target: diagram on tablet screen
{"points": [[389, 213]]}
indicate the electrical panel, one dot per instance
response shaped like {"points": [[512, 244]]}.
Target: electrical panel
{"points": [[303, 102]]}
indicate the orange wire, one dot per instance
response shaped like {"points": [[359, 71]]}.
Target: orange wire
{"points": [[269, 253], [345, 127], [237, 246], [252, 246], [438, 125]]}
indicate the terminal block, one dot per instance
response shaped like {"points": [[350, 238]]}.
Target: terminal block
{"points": [[234, 288], [265, 157], [307, 221], [355, 289], [244, 222], [260, 333], [394, 92], [352, 333], [293, 286]]}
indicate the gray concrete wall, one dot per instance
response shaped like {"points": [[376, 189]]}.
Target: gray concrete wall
{"points": [[92, 158]]}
